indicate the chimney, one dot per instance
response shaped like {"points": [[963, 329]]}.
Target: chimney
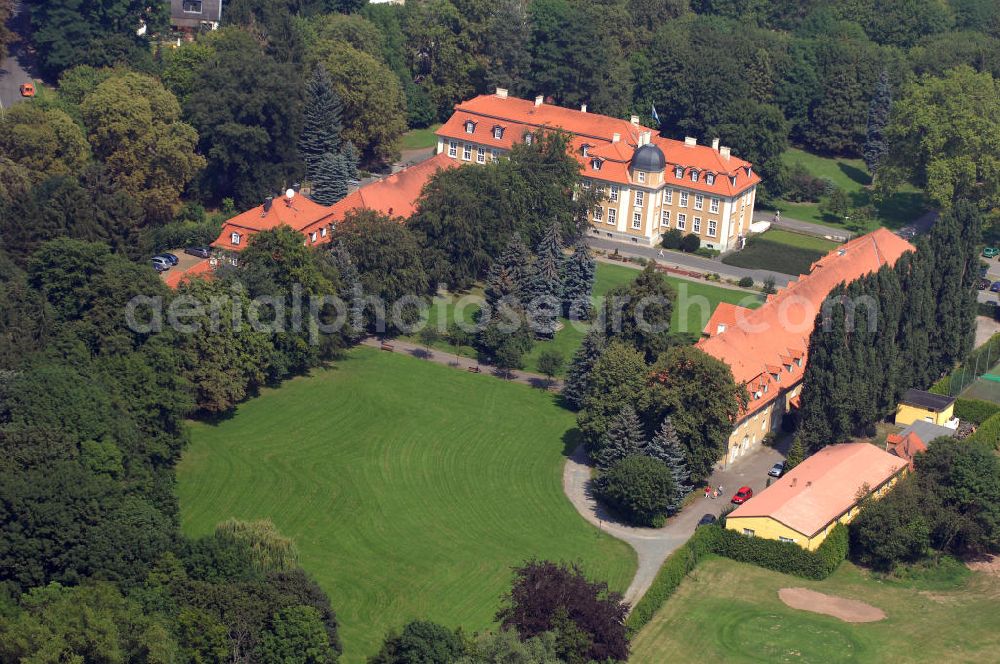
{"points": [[715, 144], [502, 93], [615, 137], [267, 204], [583, 108], [689, 142], [644, 138], [296, 187], [724, 151], [635, 120], [538, 100], [795, 481]]}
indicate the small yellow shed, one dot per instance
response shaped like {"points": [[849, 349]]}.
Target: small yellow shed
{"points": [[920, 406]]}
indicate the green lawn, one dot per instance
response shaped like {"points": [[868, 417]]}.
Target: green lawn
{"points": [[852, 176], [730, 612], [694, 306], [417, 139], [409, 487], [781, 251]]}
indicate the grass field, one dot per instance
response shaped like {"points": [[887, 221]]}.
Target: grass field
{"points": [[730, 612], [694, 306], [781, 251], [853, 177], [409, 487], [417, 139]]}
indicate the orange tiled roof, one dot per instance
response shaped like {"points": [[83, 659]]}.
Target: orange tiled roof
{"points": [[822, 487], [520, 116], [299, 213], [200, 270], [777, 333], [726, 315], [905, 447]]}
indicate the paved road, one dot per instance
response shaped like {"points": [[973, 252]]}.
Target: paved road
{"points": [[689, 261], [13, 70], [653, 545], [805, 227]]}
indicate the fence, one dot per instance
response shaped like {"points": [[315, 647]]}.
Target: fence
{"points": [[983, 362]]}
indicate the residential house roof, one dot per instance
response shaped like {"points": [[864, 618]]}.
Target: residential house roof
{"points": [[610, 143], [906, 446], [927, 400], [755, 342], [823, 487]]}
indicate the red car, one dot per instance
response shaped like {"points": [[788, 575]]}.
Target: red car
{"points": [[744, 494]]}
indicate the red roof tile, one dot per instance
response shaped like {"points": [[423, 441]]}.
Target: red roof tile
{"points": [[781, 328], [823, 487]]}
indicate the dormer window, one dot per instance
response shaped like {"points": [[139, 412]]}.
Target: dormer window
{"points": [[528, 138], [798, 361], [234, 238], [732, 180], [596, 164], [498, 132], [710, 178], [585, 149], [679, 172], [470, 127], [312, 236], [788, 368], [322, 232], [641, 176], [694, 176]]}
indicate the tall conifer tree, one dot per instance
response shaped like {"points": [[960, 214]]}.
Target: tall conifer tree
{"points": [[579, 270], [624, 438], [577, 384], [321, 121], [876, 145]]}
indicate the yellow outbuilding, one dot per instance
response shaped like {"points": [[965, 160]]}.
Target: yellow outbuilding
{"points": [[920, 406], [803, 506]]}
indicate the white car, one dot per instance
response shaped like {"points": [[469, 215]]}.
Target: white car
{"points": [[777, 469]]}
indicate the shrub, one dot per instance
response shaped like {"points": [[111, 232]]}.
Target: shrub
{"points": [[706, 252], [690, 243], [745, 282], [784, 556], [988, 432], [640, 488], [672, 239], [975, 410]]}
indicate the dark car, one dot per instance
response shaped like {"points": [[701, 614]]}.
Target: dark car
{"points": [[983, 284], [170, 258], [777, 469], [200, 252], [744, 494], [995, 287], [706, 520]]}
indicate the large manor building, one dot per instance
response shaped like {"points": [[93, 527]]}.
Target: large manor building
{"points": [[649, 184]]}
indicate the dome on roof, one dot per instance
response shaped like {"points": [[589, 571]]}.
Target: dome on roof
{"points": [[648, 158]]}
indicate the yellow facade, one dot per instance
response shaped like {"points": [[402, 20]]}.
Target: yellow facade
{"points": [[770, 528], [907, 415]]}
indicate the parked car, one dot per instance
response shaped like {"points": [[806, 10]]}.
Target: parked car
{"points": [[983, 269], [200, 252], [159, 266], [995, 288], [907, 232], [170, 258], [777, 469], [160, 260], [991, 252], [983, 284], [27, 89], [706, 520], [744, 494]]}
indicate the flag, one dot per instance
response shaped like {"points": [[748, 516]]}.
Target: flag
{"points": [[656, 115]]}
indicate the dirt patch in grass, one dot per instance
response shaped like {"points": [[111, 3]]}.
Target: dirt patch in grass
{"points": [[987, 564], [848, 610]]}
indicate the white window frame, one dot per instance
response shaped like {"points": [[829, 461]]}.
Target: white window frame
{"points": [[480, 155], [598, 213], [613, 196], [641, 175], [470, 127], [679, 172], [681, 221], [322, 232], [494, 156], [696, 225], [782, 538], [467, 152], [235, 238], [639, 198], [668, 196], [665, 219], [694, 175], [613, 216], [452, 149], [699, 202], [710, 178], [684, 199], [596, 164], [312, 237], [749, 532], [200, 10], [529, 138], [712, 227], [713, 205], [637, 221], [498, 132]]}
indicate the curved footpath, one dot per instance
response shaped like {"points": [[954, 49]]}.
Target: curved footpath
{"points": [[653, 545]]}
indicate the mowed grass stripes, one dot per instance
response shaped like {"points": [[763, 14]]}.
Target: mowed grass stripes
{"points": [[410, 489]]}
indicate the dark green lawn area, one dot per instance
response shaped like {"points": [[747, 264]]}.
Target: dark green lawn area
{"points": [[852, 176], [781, 251], [417, 139], [410, 489], [694, 306], [730, 612]]}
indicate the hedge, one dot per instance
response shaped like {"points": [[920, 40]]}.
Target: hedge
{"points": [[674, 569], [771, 554], [988, 432], [784, 556], [975, 410]]}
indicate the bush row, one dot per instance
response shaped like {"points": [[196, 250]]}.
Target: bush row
{"points": [[771, 554], [975, 410], [988, 432]]}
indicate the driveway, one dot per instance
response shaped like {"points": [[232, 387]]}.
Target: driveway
{"points": [[653, 545], [13, 68]]}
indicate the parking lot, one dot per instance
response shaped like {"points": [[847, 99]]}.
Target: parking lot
{"points": [[993, 274]]}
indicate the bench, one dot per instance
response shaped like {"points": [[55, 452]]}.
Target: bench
{"points": [[475, 370], [387, 347]]}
